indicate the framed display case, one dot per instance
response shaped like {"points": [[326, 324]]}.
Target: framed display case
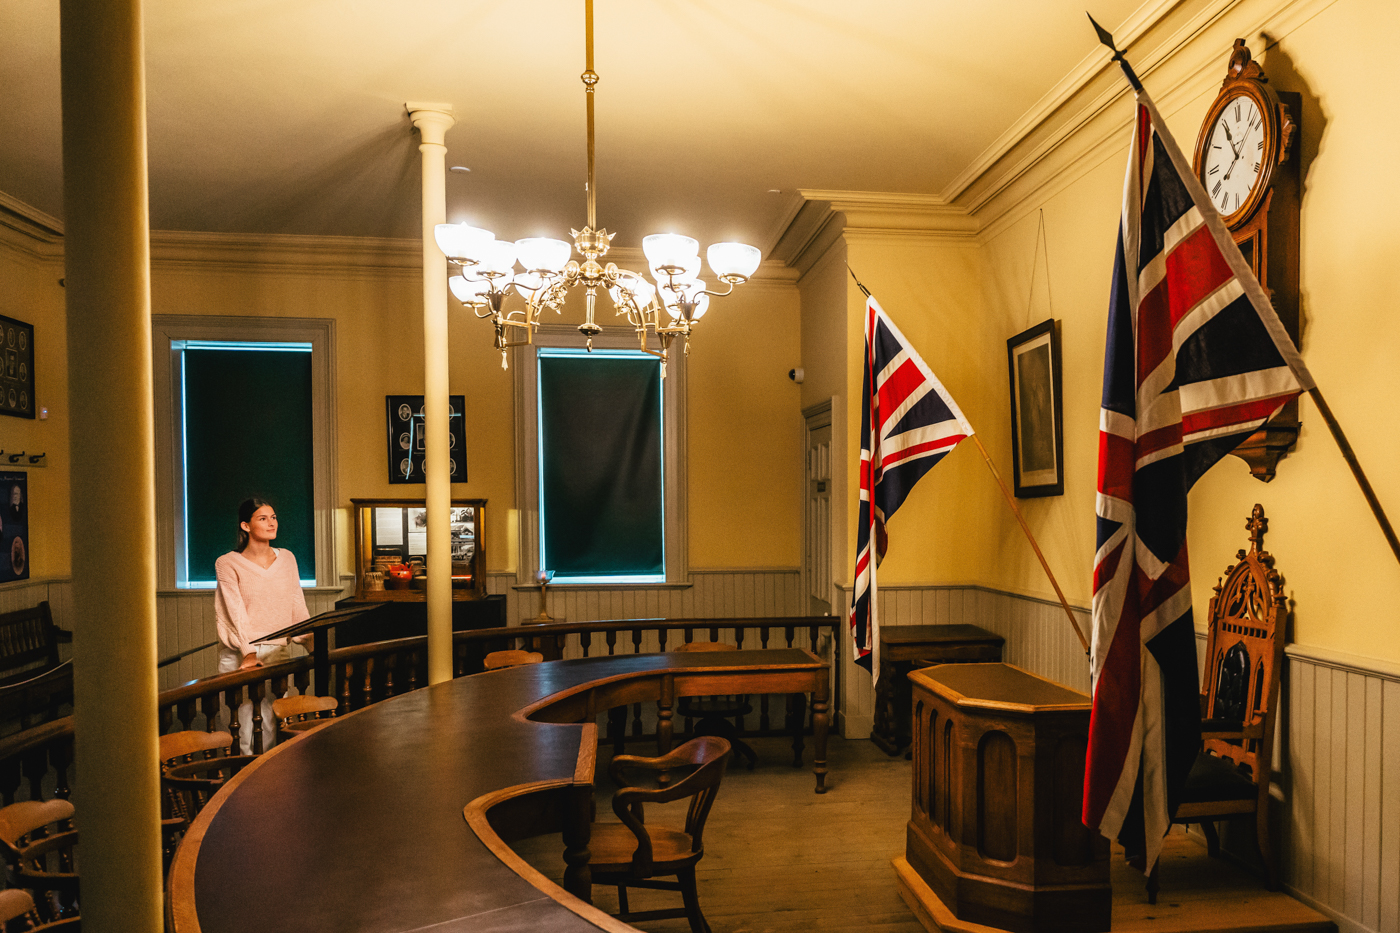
{"points": [[391, 549]]}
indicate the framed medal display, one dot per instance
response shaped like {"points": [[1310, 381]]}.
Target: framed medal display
{"points": [[404, 415]]}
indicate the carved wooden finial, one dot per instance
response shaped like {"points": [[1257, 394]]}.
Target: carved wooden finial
{"points": [[1242, 64], [1257, 526]]}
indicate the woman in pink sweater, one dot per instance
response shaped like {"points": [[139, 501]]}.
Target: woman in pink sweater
{"points": [[259, 592]]}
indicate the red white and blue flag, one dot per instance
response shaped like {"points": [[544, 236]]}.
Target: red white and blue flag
{"points": [[1196, 361], [908, 422]]}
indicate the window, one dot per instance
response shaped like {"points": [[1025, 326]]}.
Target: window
{"points": [[601, 466], [243, 408], [600, 460], [245, 430]]}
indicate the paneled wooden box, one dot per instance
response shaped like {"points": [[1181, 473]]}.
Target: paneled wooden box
{"points": [[998, 783]]}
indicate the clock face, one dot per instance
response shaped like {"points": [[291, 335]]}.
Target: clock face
{"points": [[1232, 163]]}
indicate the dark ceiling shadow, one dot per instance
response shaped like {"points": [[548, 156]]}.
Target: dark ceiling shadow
{"points": [[1309, 140], [368, 189]]}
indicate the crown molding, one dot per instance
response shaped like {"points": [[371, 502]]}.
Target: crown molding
{"points": [[30, 231], [197, 251], [1177, 49]]}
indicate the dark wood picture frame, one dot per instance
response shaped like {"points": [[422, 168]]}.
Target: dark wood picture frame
{"points": [[1037, 411], [404, 419], [17, 369]]}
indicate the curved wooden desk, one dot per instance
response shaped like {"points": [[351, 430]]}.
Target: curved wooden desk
{"points": [[358, 826]]}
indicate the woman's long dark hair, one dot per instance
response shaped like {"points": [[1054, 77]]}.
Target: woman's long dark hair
{"points": [[246, 508]]}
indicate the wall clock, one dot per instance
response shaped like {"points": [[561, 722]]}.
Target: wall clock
{"points": [[1244, 160]]}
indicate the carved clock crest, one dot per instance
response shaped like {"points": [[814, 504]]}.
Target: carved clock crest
{"points": [[1243, 160]]}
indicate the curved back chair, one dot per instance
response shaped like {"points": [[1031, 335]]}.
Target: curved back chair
{"points": [[711, 715], [43, 862], [512, 658], [298, 714], [635, 853], [193, 766]]}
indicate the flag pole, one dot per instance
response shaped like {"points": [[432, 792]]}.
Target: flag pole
{"points": [[1314, 393], [1069, 613]]}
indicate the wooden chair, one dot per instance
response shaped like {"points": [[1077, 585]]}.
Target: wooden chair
{"points": [[712, 714], [635, 853], [39, 845], [298, 714], [1239, 700], [17, 912], [513, 658], [194, 765]]}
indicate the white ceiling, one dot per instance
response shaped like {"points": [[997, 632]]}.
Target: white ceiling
{"points": [[287, 116]]}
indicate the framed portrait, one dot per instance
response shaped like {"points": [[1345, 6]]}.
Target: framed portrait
{"points": [[404, 415], [14, 527], [17, 368], [1037, 434]]}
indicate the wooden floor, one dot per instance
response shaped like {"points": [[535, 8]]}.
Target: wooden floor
{"points": [[780, 859]]}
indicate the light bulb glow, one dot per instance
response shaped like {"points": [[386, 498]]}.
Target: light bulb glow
{"points": [[496, 256], [457, 240], [669, 249], [469, 291], [543, 254], [738, 261]]}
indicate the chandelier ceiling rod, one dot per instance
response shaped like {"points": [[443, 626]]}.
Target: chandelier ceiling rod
{"points": [[590, 81]]}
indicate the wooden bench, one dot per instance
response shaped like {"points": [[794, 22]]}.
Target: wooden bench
{"points": [[34, 684]]}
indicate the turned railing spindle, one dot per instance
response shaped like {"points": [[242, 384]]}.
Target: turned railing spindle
{"points": [[389, 663], [255, 696], [367, 690], [232, 697]]}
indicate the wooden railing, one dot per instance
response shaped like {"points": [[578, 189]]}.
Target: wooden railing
{"points": [[40, 757]]}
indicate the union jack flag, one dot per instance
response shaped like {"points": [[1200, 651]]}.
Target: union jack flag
{"points": [[1196, 361], [908, 422]]}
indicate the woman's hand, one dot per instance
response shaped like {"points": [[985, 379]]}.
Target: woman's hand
{"points": [[303, 640], [250, 661]]}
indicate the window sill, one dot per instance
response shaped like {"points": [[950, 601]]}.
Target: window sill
{"points": [[584, 587]]}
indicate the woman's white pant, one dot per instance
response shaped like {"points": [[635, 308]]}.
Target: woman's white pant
{"points": [[267, 654]]}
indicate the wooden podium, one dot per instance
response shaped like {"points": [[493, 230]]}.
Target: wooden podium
{"points": [[995, 830]]}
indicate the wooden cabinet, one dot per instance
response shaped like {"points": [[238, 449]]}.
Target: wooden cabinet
{"points": [[394, 531], [995, 826]]}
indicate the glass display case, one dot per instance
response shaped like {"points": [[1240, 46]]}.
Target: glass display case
{"points": [[391, 549]]}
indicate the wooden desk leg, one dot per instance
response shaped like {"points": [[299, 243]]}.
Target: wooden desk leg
{"points": [[578, 876], [886, 731], [820, 721], [797, 713], [664, 711]]}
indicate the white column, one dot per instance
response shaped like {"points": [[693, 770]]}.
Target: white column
{"points": [[112, 475], [433, 122]]}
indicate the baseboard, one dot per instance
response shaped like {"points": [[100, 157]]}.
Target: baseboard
{"points": [[1344, 923]]}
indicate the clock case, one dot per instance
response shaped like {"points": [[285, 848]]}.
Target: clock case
{"points": [[1266, 228]]}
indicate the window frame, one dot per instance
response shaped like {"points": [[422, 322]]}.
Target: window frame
{"points": [[525, 367], [170, 330]]}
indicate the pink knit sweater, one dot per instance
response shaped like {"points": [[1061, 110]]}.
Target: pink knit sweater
{"points": [[251, 602]]}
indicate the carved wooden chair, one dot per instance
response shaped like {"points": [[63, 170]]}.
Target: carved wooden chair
{"points": [[193, 766], [513, 658], [298, 714], [711, 715], [1239, 700], [635, 853], [40, 847]]}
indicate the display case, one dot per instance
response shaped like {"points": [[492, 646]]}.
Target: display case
{"points": [[391, 549]]}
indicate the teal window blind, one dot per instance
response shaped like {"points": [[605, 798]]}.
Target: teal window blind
{"points": [[247, 432], [602, 492]]}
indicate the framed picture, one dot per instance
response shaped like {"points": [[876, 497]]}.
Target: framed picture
{"points": [[404, 414], [1037, 434], [16, 368], [14, 527]]}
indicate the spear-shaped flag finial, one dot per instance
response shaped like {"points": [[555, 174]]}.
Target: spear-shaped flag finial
{"points": [[1106, 38]]}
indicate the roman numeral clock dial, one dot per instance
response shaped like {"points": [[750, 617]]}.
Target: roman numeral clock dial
{"points": [[1242, 162]]}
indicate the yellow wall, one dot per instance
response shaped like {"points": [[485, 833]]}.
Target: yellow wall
{"points": [[29, 292], [1339, 572], [745, 424]]}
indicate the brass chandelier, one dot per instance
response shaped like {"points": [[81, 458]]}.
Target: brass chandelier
{"points": [[670, 308]]}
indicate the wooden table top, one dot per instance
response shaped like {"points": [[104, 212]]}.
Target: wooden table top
{"points": [[936, 634], [358, 826]]}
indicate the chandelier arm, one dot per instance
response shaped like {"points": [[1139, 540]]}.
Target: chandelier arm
{"points": [[720, 294]]}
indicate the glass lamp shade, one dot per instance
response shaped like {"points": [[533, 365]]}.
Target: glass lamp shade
{"points": [[733, 260], [542, 254], [639, 288], [495, 257], [690, 268], [529, 282], [468, 291], [669, 249], [456, 240]]}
